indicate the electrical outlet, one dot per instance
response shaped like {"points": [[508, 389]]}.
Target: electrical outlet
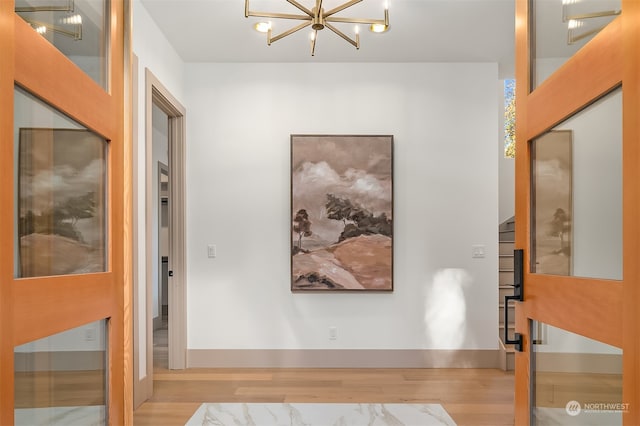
{"points": [[90, 334], [333, 333]]}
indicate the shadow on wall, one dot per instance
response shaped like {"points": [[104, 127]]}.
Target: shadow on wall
{"points": [[445, 316]]}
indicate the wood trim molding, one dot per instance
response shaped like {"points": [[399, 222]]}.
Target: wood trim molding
{"points": [[579, 305], [128, 202], [142, 390], [631, 211], [342, 358], [522, 200], [92, 301], [7, 72]]}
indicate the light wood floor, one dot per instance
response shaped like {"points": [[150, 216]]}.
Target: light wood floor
{"points": [[470, 396]]}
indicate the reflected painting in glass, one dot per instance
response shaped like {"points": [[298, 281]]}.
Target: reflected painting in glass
{"points": [[552, 171], [577, 194], [61, 193]]}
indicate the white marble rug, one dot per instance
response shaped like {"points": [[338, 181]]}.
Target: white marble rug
{"points": [[257, 414]]}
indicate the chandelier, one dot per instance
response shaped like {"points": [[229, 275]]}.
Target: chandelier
{"points": [[318, 19]]}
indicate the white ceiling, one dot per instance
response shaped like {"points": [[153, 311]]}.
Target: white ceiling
{"points": [[420, 31]]}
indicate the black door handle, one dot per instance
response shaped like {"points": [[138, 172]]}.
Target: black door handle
{"points": [[517, 337], [518, 295]]}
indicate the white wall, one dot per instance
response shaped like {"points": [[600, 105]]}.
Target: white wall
{"points": [[445, 124], [156, 54]]}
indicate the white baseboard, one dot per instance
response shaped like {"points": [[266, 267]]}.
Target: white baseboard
{"points": [[341, 358]]}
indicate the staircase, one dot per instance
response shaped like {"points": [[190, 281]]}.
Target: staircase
{"points": [[506, 241]]}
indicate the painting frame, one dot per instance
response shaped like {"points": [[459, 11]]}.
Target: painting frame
{"points": [[341, 211]]}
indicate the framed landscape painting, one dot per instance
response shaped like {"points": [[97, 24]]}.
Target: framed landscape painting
{"points": [[341, 213]]}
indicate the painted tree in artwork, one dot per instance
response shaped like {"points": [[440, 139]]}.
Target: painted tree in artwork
{"points": [[302, 226], [338, 208], [560, 226], [362, 221]]}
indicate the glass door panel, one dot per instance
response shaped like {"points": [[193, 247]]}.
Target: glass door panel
{"points": [[77, 28], [576, 380], [562, 27], [61, 191], [577, 194], [62, 379]]}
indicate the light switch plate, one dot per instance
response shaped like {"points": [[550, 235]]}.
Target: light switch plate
{"points": [[211, 250]]}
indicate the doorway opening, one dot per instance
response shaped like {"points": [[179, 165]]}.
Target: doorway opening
{"points": [[161, 250], [160, 313]]}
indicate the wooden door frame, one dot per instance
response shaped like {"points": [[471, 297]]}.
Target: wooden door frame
{"points": [[156, 93], [617, 321]]}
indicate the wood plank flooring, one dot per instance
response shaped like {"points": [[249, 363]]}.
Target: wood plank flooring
{"points": [[470, 396]]}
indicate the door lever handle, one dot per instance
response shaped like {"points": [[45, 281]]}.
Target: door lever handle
{"points": [[518, 295]]}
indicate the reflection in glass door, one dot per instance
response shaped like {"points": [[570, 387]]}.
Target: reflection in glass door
{"points": [[62, 379], [576, 199], [576, 380]]}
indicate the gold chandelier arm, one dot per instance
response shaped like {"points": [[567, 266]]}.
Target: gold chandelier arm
{"points": [[286, 33], [53, 8], [571, 38], [341, 7], [314, 37], [355, 43], [301, 7], [594, 15], [248, 13], [76, 35], [357, 21], [279, 15]]}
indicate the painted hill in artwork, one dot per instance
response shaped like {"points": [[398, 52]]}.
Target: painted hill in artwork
{"points": [[358, 263]]}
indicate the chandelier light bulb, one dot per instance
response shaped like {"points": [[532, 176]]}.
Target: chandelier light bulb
{"points": [[262, 27], [574, 23]]}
